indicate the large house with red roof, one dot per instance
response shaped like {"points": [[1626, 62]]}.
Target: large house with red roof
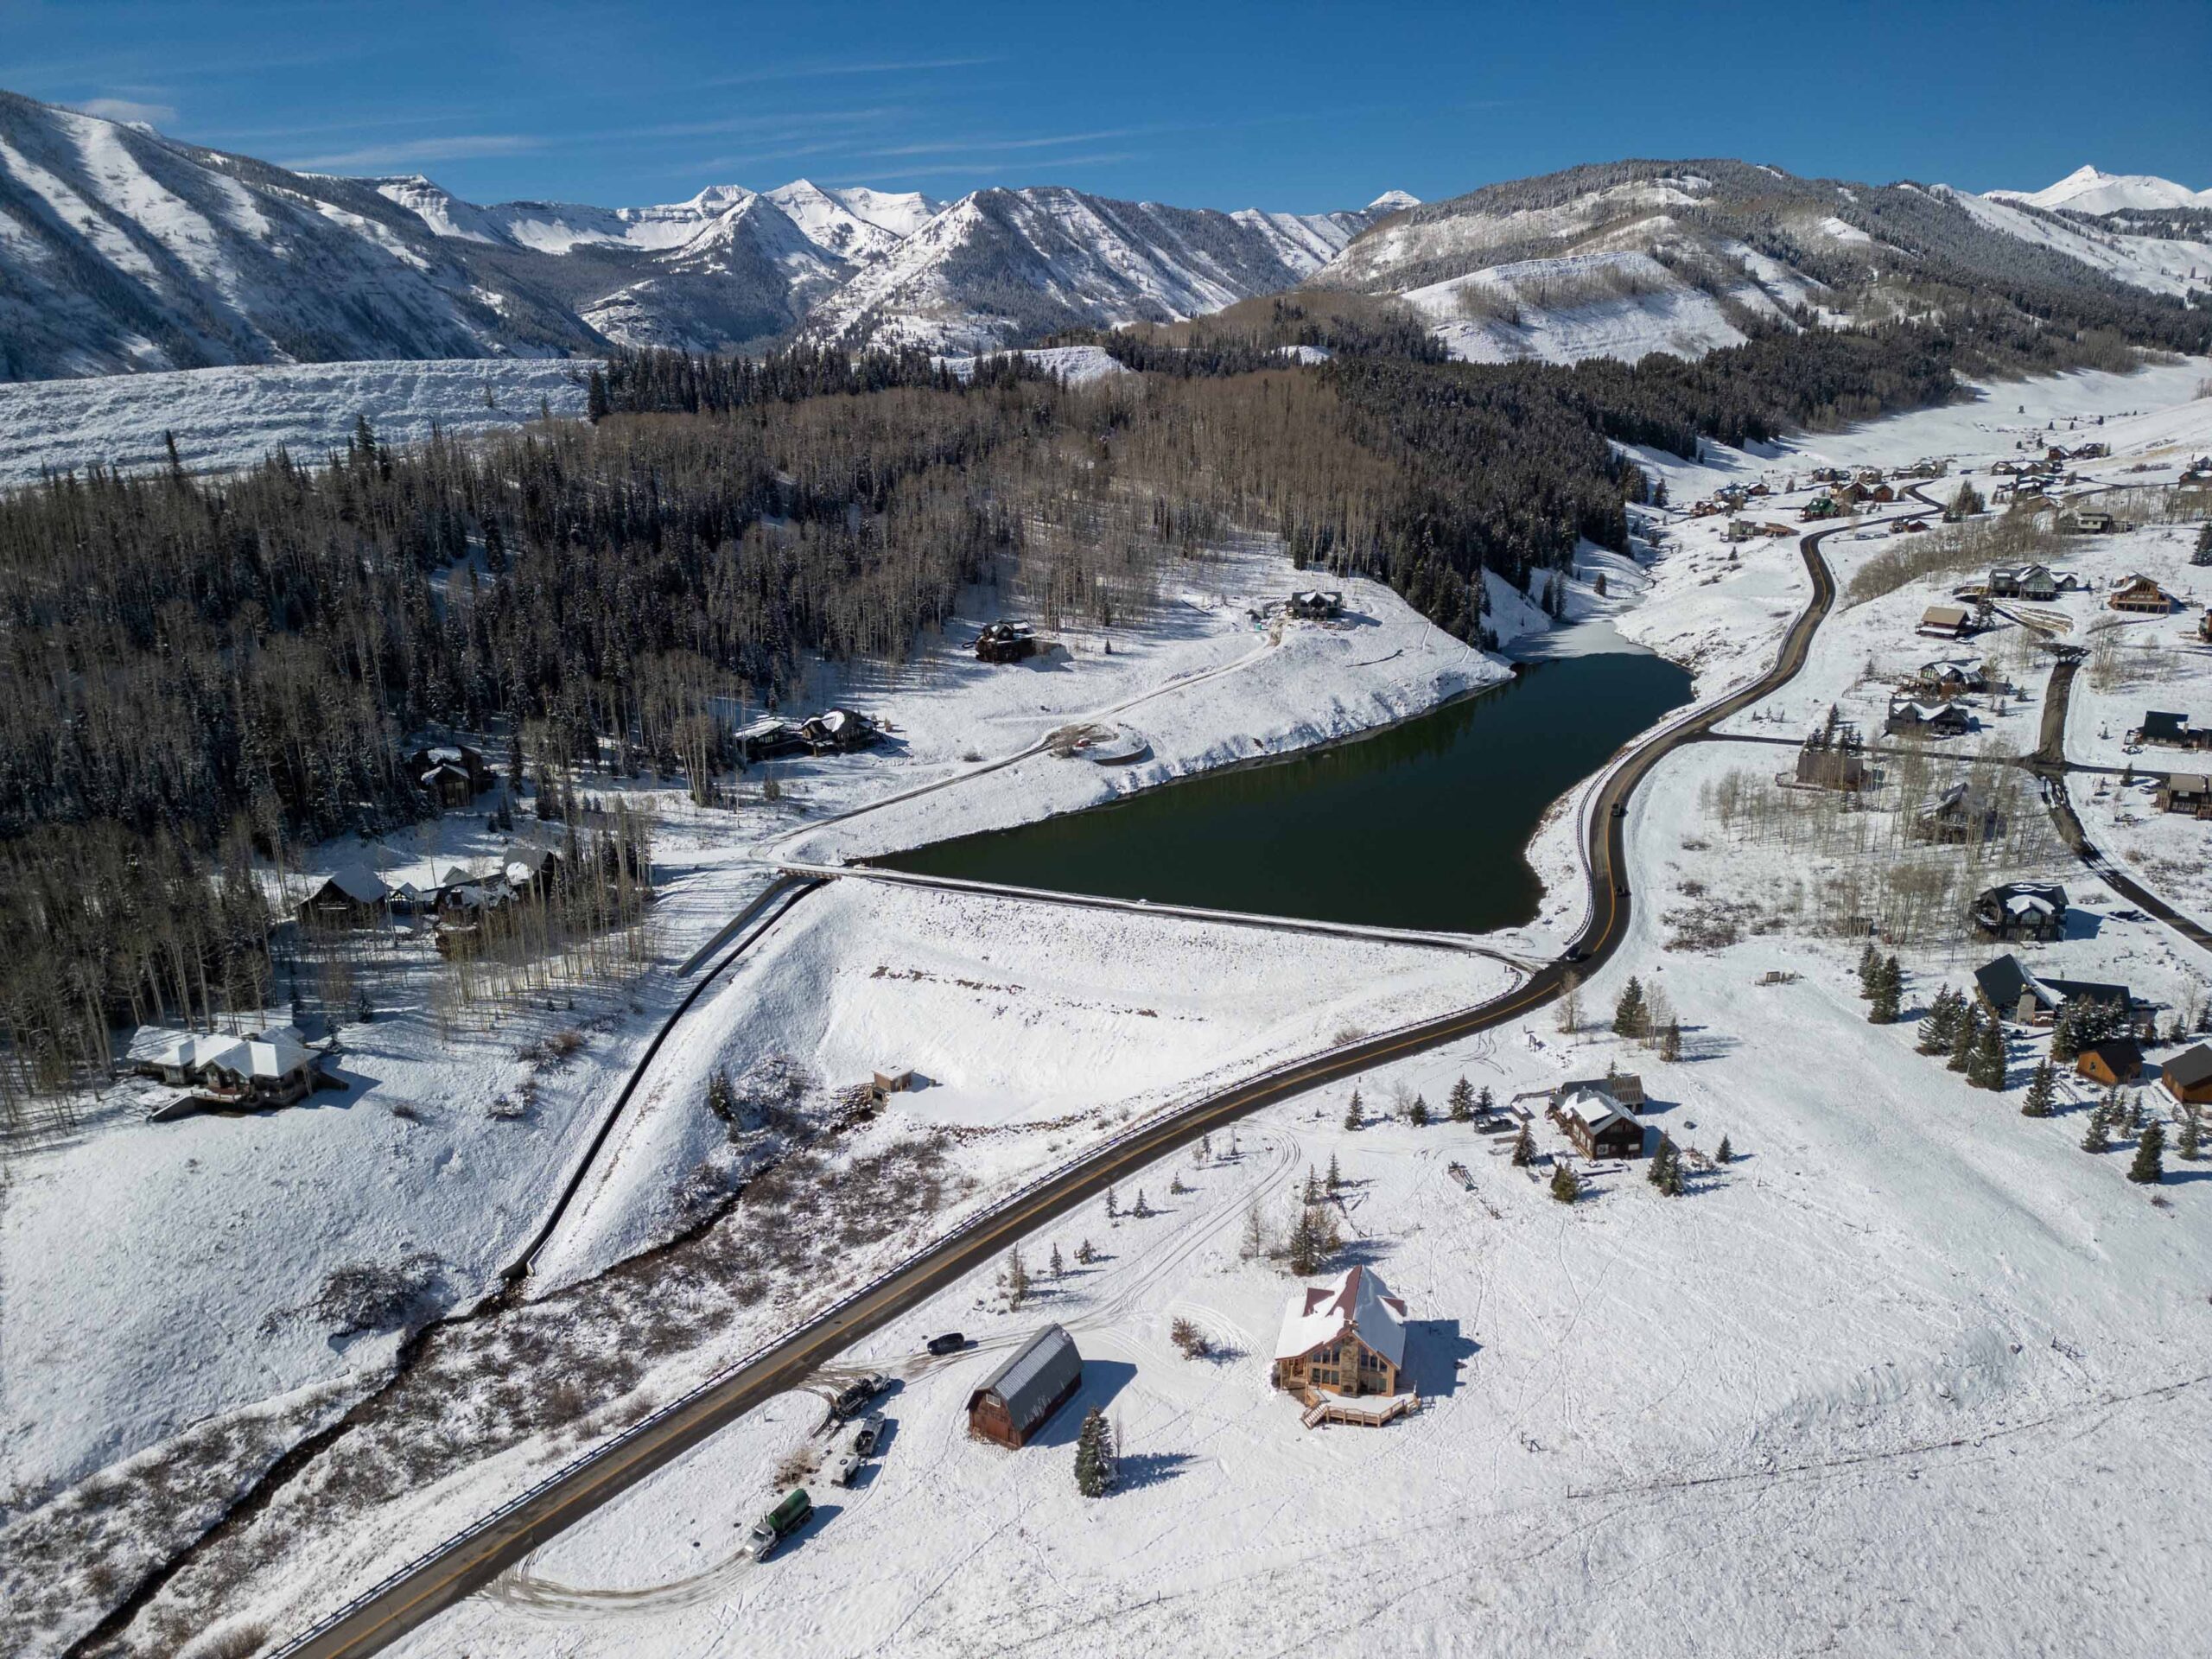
{"points": [[1344, 1335]]}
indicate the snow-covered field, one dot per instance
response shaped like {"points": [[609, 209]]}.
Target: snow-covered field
{"points": [[1907, 1313], [1869, 1384], [228, 418], [1826, 1329]]}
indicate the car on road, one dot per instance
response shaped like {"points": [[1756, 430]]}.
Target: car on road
{"points": [[1620, 809], [1574, 953], [868, 1435], [786, 1518], [858, 1392], [950, 1342]]}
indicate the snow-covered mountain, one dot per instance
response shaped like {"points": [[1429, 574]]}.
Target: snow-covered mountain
{"points": [[1001, 266], [858, 224], [2085, 190], [1627, 259]]}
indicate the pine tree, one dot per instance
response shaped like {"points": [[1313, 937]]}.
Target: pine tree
{"points": [[595, 396], [1059, 1267], [1143, 1210], [1968, 1036], [1307, 1248], [1524, 1148], [1566, 1185], [1094, 1455], [2149, 1166], [1662, 1155], [1870, 970], [2042, 1087], [1084, 1254], [1417, 1114], [1175, 1186], [1939, 1028], [1726, 1153], [1670, 1042], [1675, 1183], [1351, 1111], [1986, 1068], [1113, 1203], [1335, 1175], [1461, 1101], [2098, 1136], [1630, 1015], [2188, 1143], [1888, 987], [1313, 1185], [1484, 1104]]}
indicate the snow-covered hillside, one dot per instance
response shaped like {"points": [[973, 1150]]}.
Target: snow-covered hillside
{"points": [[2085, 190], [1632, 257], [1003, 265]]}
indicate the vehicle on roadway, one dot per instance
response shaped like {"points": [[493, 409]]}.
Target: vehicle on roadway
{"points": [[1575, 953], [1620, 809], [786, 1518], [950, 1342], [858, 1392]]}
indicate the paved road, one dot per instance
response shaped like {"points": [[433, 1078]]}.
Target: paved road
{"points": [[454, 1568]]}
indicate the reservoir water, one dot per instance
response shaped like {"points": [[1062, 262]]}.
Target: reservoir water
{"points": [[1421, 825]]}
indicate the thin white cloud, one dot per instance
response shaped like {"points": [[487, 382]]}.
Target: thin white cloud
{"points": [[128, 109], [409, 152], [821, 71], [992, 146]]}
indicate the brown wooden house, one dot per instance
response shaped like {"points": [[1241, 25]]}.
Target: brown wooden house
{"points": [[2186, 792], [2111, 1062], [2140, 596], [1020, 1397], [2188, 1076], [452, 775], [1344, 1335], [1597, 1124]]}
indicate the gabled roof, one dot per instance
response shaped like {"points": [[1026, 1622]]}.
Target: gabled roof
{"points": [[1034, 1377], [1355, 1303], [2189, 1068], [1594, 1107], [2164, 722], [361, 885]]}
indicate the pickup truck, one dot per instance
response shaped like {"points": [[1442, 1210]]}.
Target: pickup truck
{"points": [[858, 1393], [868, 1435], [786, 1518]]}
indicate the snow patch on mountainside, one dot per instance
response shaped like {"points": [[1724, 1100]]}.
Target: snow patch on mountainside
{"points": [[2087, 190], [2160, 264]]}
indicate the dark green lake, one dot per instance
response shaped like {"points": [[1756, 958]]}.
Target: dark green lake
{"points": [[1423, 825]]}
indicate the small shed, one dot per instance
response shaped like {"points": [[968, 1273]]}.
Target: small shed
{"points": [[1016, 1400], [890, 1080], [2188, 1076], [2111, 1062]]}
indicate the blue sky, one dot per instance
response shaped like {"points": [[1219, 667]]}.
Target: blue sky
{"points": [[1293, 106]]}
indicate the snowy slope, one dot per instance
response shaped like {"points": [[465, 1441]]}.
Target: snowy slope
{"points": [[748, 274], [120, 251], [1716, 240], [1001, 265], [2085, 190], [859, 225]]}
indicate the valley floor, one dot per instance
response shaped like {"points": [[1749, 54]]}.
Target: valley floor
{"points": [[1909, 1327]]}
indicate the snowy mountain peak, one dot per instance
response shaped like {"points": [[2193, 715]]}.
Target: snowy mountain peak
{"points": [[2090, 190], [1392, 201]]}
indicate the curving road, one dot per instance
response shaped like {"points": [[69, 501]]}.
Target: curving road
{"points": [[461, 1564]]}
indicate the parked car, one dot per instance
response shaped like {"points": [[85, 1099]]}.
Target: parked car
{"points": [[868, 1435], [786, 1518], [950, 1342], [859, 1392], [848, 1469]]}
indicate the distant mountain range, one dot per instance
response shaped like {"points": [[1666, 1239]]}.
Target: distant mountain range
{"points": [[124, 251], [2085, 190]]}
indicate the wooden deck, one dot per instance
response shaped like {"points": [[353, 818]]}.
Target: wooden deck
{"points": [[1369, 1411]]}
